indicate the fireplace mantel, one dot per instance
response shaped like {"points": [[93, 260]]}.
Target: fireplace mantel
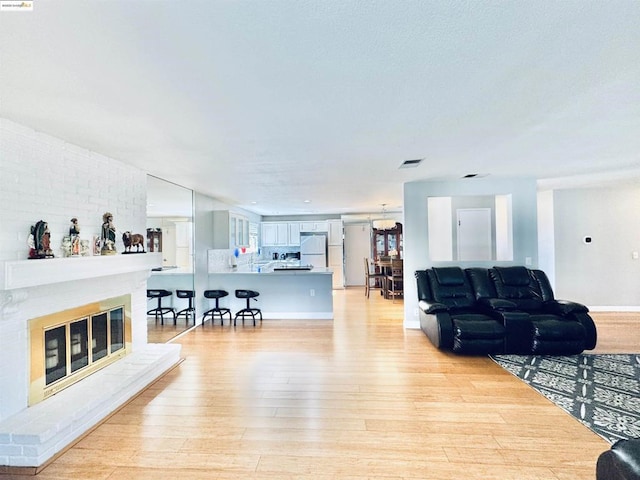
{"points": [[34, 273]]}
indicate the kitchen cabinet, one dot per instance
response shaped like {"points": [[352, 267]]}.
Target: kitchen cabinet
{"points": [[230, 230], [275, 234], [294, 233], [320, 226], [336, 265], [335, 232]]}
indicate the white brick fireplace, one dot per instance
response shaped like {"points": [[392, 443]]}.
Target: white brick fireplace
{"points": [[46, 178], [29, 436]]}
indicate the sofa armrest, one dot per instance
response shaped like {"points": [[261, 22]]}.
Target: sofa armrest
{"points": [[431, 308], [436, 323], [564, 307], [496, 304]]}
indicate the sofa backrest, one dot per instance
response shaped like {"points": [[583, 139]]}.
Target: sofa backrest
{"points": [[457, 288], [544, 285], [518, 285], [450, 286], [482, 285]]}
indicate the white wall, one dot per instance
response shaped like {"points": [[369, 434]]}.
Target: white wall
{"points": [[602, 273], [546, 235], [45, 178]]}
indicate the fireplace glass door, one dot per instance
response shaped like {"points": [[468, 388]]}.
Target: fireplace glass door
{"points": [[99, 336], [67, 346], [117, 329], [79, 335], [55, 353]]}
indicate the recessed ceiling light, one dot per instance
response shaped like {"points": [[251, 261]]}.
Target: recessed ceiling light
{"points": [[307, 201], [254, 203], [411, 163]]}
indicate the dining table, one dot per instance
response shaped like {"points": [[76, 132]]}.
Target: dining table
{"points": [[383, 265]]}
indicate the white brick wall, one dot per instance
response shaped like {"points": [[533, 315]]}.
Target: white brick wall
{"points": [[44, 178]]}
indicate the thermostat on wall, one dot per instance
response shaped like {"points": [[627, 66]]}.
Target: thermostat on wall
{"points": [[587, 240]]}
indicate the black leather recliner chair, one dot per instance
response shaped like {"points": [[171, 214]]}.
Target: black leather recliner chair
{"points": [[449, 316], [621, 462]]}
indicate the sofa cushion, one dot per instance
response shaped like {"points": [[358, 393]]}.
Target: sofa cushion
{"points": [[515, 284], [456, 292], [476, 326], [449, 276], [514, 276], [549, 327]]}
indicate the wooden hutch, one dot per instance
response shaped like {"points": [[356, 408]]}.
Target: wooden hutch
{"points": [[387, 242]]}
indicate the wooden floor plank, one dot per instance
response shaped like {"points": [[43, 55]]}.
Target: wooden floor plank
{"points": [[358, 398]]}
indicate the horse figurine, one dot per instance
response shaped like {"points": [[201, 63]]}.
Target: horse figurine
{"points": [[133, 240]]}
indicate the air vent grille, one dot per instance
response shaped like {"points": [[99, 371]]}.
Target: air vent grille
{"points": [[411, 163]]}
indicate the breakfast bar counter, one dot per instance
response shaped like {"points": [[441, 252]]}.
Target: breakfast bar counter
{"points": [[285, 293]]}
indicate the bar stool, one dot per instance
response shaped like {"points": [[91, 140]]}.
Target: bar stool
{"points": [[160, 310], [190, 310], [248, 311], [221, 312]]}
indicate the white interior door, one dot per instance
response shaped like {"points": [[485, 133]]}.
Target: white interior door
{"points": [[357, 246], [474, 234]]}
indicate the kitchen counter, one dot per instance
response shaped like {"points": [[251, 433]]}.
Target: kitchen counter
{"points": [[275, 267], [284, 294], [171, 271]]}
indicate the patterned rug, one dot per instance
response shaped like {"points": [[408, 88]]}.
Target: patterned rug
{"points": [[601, 391]]}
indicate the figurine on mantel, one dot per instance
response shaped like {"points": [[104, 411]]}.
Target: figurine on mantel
{"points": [[40, 241], [71, 243], [133, 240], [108, 235]]}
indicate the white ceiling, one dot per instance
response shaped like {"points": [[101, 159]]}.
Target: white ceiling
{"points": [[281, 101]]}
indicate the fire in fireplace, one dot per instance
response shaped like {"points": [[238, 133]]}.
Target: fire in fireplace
{"points": [[69, 345]]}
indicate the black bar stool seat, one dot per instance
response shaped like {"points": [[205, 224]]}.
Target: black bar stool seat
{"points": [[160, 311], [190, 310], [221, 312], [248, 311]]}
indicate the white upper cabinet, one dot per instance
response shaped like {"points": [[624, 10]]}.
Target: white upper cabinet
{"points": [[275, 234], [294, 233], [314, 226], [230, 230]]}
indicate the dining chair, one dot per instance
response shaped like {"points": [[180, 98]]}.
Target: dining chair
{"points": [[378, 278], [394, 279]]}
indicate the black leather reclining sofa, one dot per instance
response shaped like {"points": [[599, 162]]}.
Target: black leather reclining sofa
{"points": [[479, 311]]}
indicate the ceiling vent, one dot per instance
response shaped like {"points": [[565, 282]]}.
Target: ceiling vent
{"points": [[411, 163], [475, 175]]}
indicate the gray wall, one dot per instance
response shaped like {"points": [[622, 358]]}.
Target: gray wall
{"points": [[602, 273], [416, 244]]}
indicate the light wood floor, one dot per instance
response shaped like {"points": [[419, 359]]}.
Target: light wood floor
{"points": [[357, 398]]}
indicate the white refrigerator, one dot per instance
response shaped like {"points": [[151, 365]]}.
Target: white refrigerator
{"points": [[313, 249]]}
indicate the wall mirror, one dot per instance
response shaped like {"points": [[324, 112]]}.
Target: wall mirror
{"points": [[470, 228], [170, 231]]}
